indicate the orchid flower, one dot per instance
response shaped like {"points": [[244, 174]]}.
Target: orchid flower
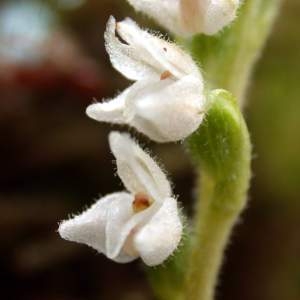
{"points": [[187, 17], [141, 222], [167, 101]]}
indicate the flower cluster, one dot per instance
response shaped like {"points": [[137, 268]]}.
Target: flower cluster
{"points": [[167, 103]]}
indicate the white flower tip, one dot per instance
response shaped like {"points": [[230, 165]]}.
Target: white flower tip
{"points": [[91, 111], [70, 230], [115, 138]]}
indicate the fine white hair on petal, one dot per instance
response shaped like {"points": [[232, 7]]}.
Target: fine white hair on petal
{"points": [[219, 14], [160, 237], [160, 54], [110, 110], [144, 55], [90, 226], [126, 58], [138, 171]]}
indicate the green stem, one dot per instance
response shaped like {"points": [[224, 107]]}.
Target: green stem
{"points": [[227, 59], [213, 231], [221, 147], [222, 151]]}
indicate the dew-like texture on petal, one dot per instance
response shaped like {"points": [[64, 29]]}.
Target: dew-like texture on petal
{"points": [[167, 110], [109, 110], [160, 237], [164, 12], [138, 171], [89, 227]]}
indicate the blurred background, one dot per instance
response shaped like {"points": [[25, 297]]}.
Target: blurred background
{"points": [[55, 161]]}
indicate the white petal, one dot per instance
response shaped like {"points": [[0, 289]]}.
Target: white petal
{"points": [[160, 54], [130, 60], [160, 237], [208, 16], [166, 110], [145, 56], [165, 12], [138, 171], [219, 14], [110, 110], [90, 227], [121, 226]]}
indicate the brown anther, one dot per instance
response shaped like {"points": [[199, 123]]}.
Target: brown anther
{"points": [[140, 202], [165, 75]]}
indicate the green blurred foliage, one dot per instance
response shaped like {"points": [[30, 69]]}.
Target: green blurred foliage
{"points": [[274, 111]]}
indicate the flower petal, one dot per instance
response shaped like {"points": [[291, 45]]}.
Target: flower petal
{"points": [[157, 52], [130, 60], [145, 55], [90, 227], [165, 12], [138, 171], [160, 237], [109, 111], [166, 110], [208, 16], [219, 14], [121, 226]]}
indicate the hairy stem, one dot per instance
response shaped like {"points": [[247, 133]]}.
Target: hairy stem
{"points": [[221, 148]]}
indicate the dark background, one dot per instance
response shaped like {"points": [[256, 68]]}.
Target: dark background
{"points": [[55, 160]]}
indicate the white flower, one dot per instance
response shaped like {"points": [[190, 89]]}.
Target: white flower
{"points": [[187, 17], [166, 102], [208, 16], [143, 222]]}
